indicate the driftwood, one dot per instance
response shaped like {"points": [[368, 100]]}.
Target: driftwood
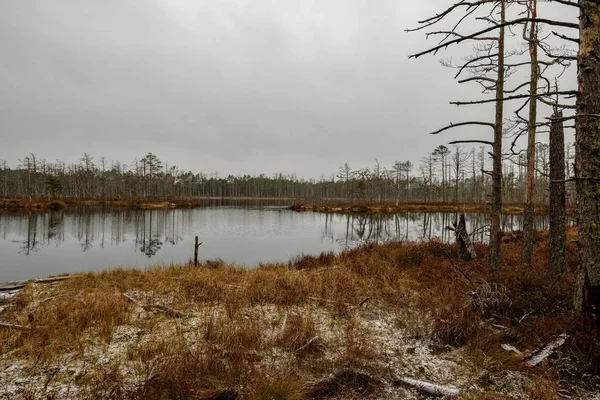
{"points": [[466, 250], [16, 286], [21, 285], [429, 388], [534, 358], [156, 307]]}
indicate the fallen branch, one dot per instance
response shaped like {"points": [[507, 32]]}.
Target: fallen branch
{"points": [[56, 278], [13, 326], [534, 358], [311, 341], [512, 348], [8, 288], [156, 307], [21, 285], [430, 388], [543, 353]]}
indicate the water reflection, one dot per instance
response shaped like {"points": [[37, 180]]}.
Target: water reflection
{"points": [[416, 226], [76, 239]]}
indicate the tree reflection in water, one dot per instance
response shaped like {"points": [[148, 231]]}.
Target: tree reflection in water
{"points": [[419, 226], [150, 231], [89, 225]]}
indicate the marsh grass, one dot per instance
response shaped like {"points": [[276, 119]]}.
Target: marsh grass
{"points": [[232, 342]]}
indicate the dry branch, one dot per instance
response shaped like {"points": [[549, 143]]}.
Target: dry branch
{"points": [[543, 353], [430, 388], [534, 358], [311, 341], [13, 326], [21, 285]]}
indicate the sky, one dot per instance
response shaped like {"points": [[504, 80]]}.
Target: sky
{"points": [[230, 86]]}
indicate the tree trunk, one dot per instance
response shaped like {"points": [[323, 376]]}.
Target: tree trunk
{"points": [[466, 250], [587, 140], [528, 209], [494, 254], [558, 230]]}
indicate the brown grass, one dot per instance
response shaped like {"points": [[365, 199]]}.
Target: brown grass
{"points": [[392, 208], [233, 343], [55, 205]]}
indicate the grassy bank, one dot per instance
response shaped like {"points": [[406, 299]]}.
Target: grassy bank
{"points": [[332, 326], [391, 208], [45, 205], [332, 206]]}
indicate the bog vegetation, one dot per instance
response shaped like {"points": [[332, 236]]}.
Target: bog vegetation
{"points": [[348, 325]]}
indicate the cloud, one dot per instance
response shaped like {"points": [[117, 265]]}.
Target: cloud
{"points": [[232, 86]]}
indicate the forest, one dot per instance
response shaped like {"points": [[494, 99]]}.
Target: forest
{"points": [[447, 174]]}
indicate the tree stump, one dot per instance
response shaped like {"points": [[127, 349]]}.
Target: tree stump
{"points": [[466, 250]]}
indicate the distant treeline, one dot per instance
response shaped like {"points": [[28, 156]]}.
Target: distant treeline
{"points": [[445, 174]]}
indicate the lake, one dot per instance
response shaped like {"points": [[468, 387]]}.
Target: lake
{"points": [[37, 244]]}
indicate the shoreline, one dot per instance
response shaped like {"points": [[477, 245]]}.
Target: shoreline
{"points": [[331, 206], [390, 208], [347, 325], [60, 204]]}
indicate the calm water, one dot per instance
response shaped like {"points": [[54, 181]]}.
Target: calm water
{"points": [[34, 244]]}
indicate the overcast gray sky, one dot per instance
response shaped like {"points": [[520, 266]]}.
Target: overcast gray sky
{"points": [[234, 86]]}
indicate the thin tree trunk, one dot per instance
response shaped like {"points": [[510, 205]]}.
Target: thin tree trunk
{"points": [[495, 254], [558, 230], [587, 141], [528, 209]]}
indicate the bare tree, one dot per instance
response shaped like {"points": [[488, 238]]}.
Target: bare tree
{"points": [[459, 158], [528, 210], [587, 144], [558, 230], [490, 60]]}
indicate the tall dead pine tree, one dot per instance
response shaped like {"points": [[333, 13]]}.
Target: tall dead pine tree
{"points": [[494, 254], [587, 141], [558, 229], [528, 209], [492, 54]]}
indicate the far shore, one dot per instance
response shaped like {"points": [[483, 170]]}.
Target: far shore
{"points": [[391, 208], [342, 206]]}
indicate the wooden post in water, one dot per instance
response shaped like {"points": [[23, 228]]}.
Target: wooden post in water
{"points": [[196, 245]]}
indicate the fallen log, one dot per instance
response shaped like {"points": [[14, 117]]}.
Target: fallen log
{"points": [[429, 388], [531, 359], [21, 285], [8, 288], [543, 353], [56, 278]]}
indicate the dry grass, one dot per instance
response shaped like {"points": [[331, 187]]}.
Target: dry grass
{"points": [[297, 330], [392, 208], [55, 205]]}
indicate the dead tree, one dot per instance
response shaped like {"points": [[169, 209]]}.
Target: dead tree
{"points": [[558, 230], [466, 250], [528, 209], [587, 138], [491, 62]]}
